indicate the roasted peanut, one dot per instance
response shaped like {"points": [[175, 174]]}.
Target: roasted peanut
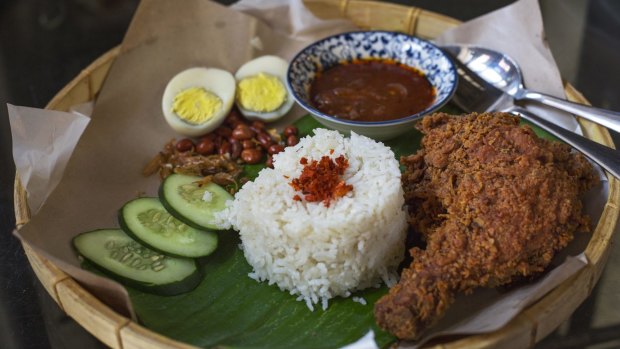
{"points": [[257, 126], [184, 145], [290, 130], [251, 155], [242, 132], [274, 149], [292, 140], [264, 139], [205, 147]]}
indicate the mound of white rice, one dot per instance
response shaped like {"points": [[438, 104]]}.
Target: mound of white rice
{"points": [[320, 252]]}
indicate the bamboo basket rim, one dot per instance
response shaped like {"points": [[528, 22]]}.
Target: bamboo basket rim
{"points": [[529, 327]]}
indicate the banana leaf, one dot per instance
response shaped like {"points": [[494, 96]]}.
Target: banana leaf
{"points": [[230, 310]]}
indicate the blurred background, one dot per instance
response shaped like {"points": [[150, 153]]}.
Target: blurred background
{"points": [[46, 43]]}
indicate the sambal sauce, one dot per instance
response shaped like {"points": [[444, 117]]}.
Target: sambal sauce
{"points": [[371, 90]]}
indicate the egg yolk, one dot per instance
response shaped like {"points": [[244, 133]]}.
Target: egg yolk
{"points": [[196, 105], [261, 93]]}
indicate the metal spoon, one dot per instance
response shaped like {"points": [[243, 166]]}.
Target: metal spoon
{"points": [[503, 72]]}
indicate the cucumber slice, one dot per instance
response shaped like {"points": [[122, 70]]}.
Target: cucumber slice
{"points": [[147, 221], [116, 254], [185, 199]]}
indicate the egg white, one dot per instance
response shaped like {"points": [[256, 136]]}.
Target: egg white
{"points": [[271, 65], [217, 81]]}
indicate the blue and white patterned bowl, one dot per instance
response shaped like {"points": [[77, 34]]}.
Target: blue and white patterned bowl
{"points": [[403, 48]]}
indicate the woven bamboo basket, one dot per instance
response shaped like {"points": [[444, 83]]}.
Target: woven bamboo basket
{"points": [[529, 327]]}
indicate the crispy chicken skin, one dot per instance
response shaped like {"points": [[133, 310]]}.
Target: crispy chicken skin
{"points": [[494, 203]]}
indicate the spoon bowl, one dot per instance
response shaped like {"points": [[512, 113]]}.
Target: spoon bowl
{"points": [[496, 68], [503, 72]]}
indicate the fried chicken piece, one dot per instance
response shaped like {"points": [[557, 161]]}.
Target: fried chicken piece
{"points": [[494, 203]]}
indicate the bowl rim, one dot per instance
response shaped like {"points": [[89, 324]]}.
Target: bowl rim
{"points": [[416, 116]]}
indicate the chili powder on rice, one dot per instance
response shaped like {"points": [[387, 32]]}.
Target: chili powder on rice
{"points": [[320, 180]]}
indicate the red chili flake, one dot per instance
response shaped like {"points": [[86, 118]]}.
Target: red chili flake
{"points": [[331, 151], [320, 180]]}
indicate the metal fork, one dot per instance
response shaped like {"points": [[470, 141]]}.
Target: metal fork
{"points": [[474, 94]]}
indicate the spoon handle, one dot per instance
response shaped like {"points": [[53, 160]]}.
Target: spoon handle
{"points": [[607, 118], [607, 158]]}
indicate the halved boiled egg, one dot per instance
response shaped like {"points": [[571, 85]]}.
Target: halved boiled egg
{"points": [[197, 100], [261, 88]]}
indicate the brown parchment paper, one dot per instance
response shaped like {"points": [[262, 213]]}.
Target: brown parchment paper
{"points": [[128, 128]]}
